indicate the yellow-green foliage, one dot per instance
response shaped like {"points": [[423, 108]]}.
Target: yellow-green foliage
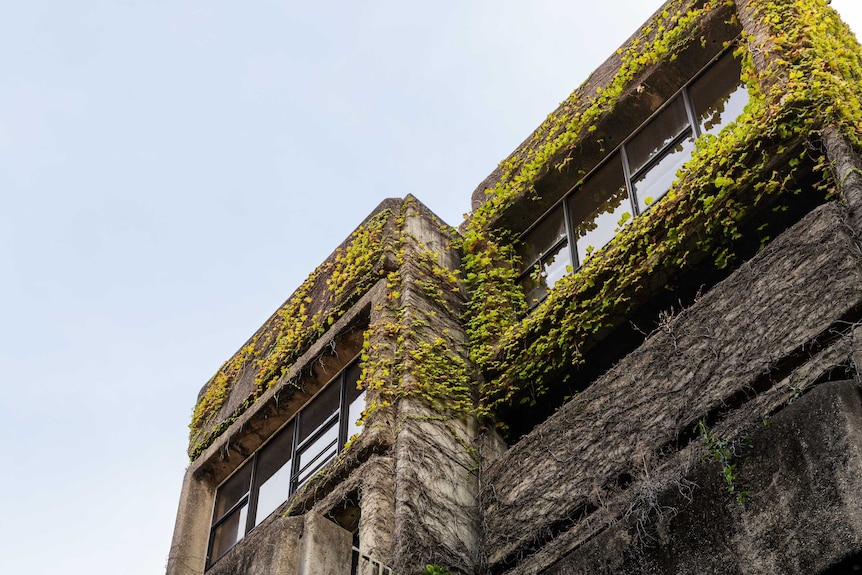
{"points": [[403, 355], [812, 79], [808, 75], [818, 63], [269, 354]]}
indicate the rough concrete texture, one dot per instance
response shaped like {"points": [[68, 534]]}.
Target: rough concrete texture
{"points": [[370, 488], [242, 387], [436, 489], [326, 547], [271, 549], [803, 474], [639, 502], [377, 498], [305, 545], [192, 527], [767, 318], [436, 492]]}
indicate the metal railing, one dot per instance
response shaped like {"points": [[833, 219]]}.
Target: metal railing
{"points": [[362, 564]]}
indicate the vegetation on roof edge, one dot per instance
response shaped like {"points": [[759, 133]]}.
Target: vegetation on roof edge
{"points": [[811, 79], [270, 353]]}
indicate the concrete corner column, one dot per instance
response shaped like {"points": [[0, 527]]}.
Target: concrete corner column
{"points": [[326, 547], [378, 510], [847, 171], [436, 493], [191, 530]]}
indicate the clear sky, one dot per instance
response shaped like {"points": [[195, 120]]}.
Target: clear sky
{"points": [[171, 170]]}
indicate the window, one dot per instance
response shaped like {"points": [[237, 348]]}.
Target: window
{"points": [[310, 440], [629, 180]]}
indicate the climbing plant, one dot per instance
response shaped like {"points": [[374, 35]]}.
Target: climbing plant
{"points": [[322, 298], [806, 76]]}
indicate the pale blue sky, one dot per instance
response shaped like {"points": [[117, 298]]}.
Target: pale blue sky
{"points": [[171, 170]]}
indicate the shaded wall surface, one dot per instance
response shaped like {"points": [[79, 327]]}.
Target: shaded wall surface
{"points": [[720, 369], [727, 440]]}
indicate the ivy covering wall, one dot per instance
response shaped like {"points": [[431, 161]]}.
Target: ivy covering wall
{"points": [[802, 66], [327, 293]]}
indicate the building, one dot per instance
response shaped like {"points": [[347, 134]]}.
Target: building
{"points": [[638, 354]]}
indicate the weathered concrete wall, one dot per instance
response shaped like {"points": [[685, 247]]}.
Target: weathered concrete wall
{"points": [[276, 548], [337, 283], [803, 474], [745, 336], [436, 486], [306, 545], [436, 497], [326, 548], [192, 527], [377, 498]]}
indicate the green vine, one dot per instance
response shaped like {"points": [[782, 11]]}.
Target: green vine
{"points": [[723, 452], [321, 299], [808, 82], [802, 68], [404, 353]]}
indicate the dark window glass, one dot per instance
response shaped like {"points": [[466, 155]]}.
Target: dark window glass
{"points": [[355, 401], [534, 287], [599, 208], [351, 378], [542, 239], [319, 411], [319, 449], [544, 274], [318, 432], [228, 532], [233, 490], [273, 473], [659, 133], [545, 256], [291, 457], [719, 96], [656, 181]]}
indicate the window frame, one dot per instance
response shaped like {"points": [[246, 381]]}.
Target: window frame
{"points": [[250, 499], [692, 129]]}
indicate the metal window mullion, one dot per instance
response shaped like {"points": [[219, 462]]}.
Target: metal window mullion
{"points": [[690, 112], [315, 464], [323, 428], [570, 233], [219, 522], [540, 261], [528, 270], [252, 494], [294, 450], [659, 156], [240, 502], [550, 250], [342, 410], [627, 176]]}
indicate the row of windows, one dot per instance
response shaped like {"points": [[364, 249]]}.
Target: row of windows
{"points": [[291, 457], [639, 172], [630, 179]]}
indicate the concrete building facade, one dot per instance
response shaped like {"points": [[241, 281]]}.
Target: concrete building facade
{"points": [[639, 353]]}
